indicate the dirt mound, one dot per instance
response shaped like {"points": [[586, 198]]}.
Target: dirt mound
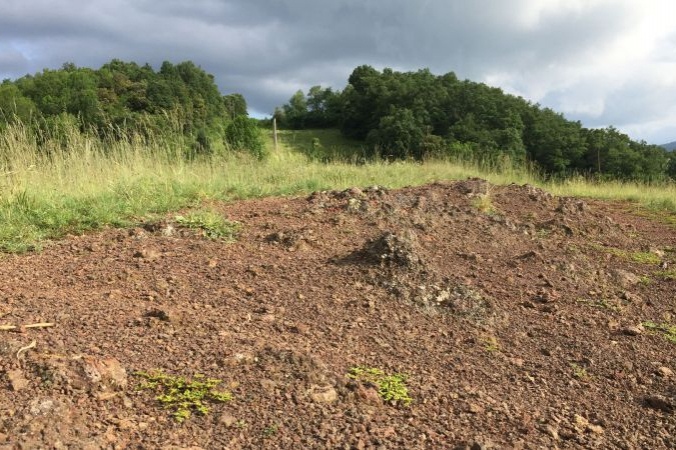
{"points": [[512, 318]]}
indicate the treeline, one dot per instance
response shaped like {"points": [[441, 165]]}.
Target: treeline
{"points": [[419, 114], [125, 98]]}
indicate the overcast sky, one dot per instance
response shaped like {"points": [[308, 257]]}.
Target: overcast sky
{"points": [[603, 62]]}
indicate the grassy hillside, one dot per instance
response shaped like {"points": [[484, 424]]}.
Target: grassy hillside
{"points": [[81, 183]]}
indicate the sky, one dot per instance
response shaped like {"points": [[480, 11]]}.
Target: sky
{"points": [[602, 62]]}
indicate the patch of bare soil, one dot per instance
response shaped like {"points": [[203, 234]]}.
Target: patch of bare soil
{"points": [[522, 320]]}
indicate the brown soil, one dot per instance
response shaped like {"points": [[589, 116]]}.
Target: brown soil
{"points": [[517, 322]]}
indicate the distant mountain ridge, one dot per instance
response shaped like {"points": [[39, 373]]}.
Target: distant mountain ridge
{"points": [[671, 146]]}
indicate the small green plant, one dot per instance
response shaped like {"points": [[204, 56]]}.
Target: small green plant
{"points": [[491, 344], [579, 372], [483, 203], [667, 330], [212, 224], [391, 388], [601, 304], [270, 430], [181, 394]]}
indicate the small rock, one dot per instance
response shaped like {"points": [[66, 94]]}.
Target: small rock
{"points": [[323, 394], [17, 380], [581, 422], [227, 420], [474, 408], [125, 424], [624, 278], [108, 371], [660, 403], [552, 431], [142, 426], [268, 385], [631, 297], [596, 429], [126, 401], [368, 395], [147, 253], [665, 372], [633, 330], [162, 314]]}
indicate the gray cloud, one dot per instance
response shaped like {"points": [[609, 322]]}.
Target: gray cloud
{"points": [[550, 52]]}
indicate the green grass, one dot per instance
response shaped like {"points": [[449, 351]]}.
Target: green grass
{"points": [[637, 257], [668, 331], [83, 183]]}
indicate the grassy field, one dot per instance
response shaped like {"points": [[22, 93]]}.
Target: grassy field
{"points": [[80, 183]]}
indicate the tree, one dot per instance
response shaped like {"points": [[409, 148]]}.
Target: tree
{"points": [[399, 135], [295, 112], [235, 105]]}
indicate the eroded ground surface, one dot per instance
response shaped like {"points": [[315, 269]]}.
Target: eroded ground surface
{"points": [[522, 321]]}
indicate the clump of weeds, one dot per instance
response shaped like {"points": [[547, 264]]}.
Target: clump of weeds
{"points": [[484, 204], [183, 395], [213, 225], [391, 388]]}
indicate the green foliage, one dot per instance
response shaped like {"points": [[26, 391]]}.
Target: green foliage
{"points": [[243, 134], [212, 224], [398, 135], [665, 329], [391, 388], [667, 274], [123, 99], [418, 114], [183, 395]]}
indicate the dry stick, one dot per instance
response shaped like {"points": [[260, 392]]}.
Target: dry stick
{"points": [[28, 347], [32, 325]]}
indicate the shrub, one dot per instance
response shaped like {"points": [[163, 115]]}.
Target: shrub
{"points": [[243, 134]]}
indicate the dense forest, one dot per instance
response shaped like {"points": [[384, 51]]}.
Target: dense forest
{"points": [[395, 114], [419, 114], [124, 98]]}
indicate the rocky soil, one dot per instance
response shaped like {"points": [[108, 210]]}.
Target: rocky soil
{"points": [[521, 320]]}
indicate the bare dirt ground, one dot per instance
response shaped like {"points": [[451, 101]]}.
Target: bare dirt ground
{"points": [[522, 320]]}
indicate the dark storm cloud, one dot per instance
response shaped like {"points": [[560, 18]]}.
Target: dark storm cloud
{"points": [[267, 49]]}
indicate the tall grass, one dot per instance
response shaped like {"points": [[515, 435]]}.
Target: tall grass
{"points": [[56, 185]]}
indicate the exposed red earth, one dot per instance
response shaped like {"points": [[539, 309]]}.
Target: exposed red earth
{"points": [[521, 320]]}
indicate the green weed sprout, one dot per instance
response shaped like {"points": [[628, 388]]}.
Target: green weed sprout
{"points": [[391, 388], [182, 395]]}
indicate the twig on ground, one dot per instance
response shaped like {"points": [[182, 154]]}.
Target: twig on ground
{"points": [[32, 325]]}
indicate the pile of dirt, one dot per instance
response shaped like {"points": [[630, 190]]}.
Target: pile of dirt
{"points": [[514, 318]]}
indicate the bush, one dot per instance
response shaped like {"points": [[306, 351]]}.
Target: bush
{"points": [[243, 134]]}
